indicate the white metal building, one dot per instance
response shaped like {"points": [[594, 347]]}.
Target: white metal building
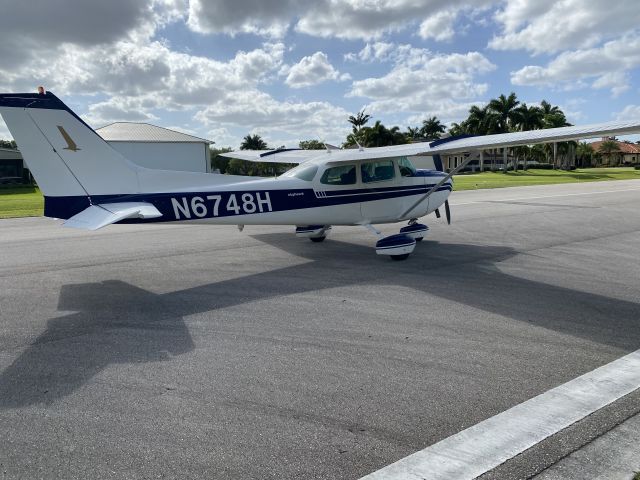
{"points": [[157, 147]]}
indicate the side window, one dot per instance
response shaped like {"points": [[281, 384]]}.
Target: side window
{"points": [[406, 167], [377, 171], [340, 175]]}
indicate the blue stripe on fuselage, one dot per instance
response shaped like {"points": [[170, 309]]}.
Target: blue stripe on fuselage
{"points": [[197, 205]]}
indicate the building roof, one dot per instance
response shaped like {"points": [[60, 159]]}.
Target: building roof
{"points": [[145, 132], [623, 147], [10, 154]]}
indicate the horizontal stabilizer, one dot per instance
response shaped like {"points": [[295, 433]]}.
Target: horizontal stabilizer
{"points": [[98, 216]]}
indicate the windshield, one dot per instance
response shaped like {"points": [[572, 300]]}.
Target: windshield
{"points": [[406, 167], [303, 172]]}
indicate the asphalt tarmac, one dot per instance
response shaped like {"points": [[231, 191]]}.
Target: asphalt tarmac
{"points": [[197, 351]]}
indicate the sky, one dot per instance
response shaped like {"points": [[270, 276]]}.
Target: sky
{"points": [[292, 70]]}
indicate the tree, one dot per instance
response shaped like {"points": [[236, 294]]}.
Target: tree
{"points": [[457, 129], [412, 133], [481, 121], [528, 118], [607, 148], [218, 162], [240, 167], [553, 117], [548, 109], [253, 142], [312, 145], [505, 109], [11, 144], [381, 136], [359, 120], [376, 136], [432, 128], [584, 152]]}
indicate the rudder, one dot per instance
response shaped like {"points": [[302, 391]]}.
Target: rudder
{"points": [[67, 158]]}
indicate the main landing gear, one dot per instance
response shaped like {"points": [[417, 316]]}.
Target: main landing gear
{"points": [[400, 245], [315, 233]]}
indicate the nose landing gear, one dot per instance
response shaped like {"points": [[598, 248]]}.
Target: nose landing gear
{"points": [[417, 231]]}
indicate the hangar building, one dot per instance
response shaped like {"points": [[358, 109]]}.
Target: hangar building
{"points": [[157, 147], [11, 166]]}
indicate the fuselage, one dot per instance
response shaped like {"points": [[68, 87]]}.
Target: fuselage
{"points": [[306, 195]]}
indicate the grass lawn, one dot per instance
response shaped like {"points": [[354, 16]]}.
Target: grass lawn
{"points": [[534, 176], [28, 202], [21, 202]]}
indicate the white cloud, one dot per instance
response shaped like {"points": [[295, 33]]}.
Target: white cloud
{"points": [[439, 26], [118, 109], [312, 70], [400, 54], [420, 81], [4, 131], [630, 112], [267, 18], [348, 19], [606, 67], [260, 110], [223, 138], [549, 26]]}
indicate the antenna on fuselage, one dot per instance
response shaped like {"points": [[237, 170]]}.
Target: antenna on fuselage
{"points": [[359, 146]]}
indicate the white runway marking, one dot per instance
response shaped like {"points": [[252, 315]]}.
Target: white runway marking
{"points": [[484, 446], [549, 196]]}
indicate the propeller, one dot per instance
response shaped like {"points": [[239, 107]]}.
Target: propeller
{"points": [[447, 211]]}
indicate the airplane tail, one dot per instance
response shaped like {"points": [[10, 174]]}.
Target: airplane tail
{"points": [[68, 159]]}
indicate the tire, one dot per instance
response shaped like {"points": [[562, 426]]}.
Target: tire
{"points": [[317, 239], [404, 256], [419, 239]]}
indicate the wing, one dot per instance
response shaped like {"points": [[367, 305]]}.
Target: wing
{"points": [[98, 216], [284, 155], [451, 145], [532, 137]]}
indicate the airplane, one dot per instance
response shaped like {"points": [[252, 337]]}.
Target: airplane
{"points": [[90, 185]]}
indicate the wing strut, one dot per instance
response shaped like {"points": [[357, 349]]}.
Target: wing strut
{"points": [[474, 155]]}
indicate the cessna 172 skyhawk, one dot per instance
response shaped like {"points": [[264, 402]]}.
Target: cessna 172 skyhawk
{"points": [[90, 185]]}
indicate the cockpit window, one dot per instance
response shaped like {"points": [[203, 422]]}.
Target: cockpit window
{"points": [[303, 172], [377, 171], [340, 175], [406, 167]]}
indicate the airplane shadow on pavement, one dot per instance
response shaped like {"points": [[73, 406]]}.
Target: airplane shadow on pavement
{"points": [[116, 322]]}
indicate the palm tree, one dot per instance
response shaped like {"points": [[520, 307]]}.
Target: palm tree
{"points": [[585, 152], [527, 118], [457, 129], [359, 121], [505, 109], [607, 148], [548, 109], [432, 128], [380, 136], [412, 133], [311, 145], [253, 142], [480, 121], [555, 118]]}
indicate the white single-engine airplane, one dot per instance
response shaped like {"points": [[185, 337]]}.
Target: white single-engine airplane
{"points": [[91, 185]]}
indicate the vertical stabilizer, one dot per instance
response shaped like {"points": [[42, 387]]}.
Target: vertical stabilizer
{"points": [[67, 158]]}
